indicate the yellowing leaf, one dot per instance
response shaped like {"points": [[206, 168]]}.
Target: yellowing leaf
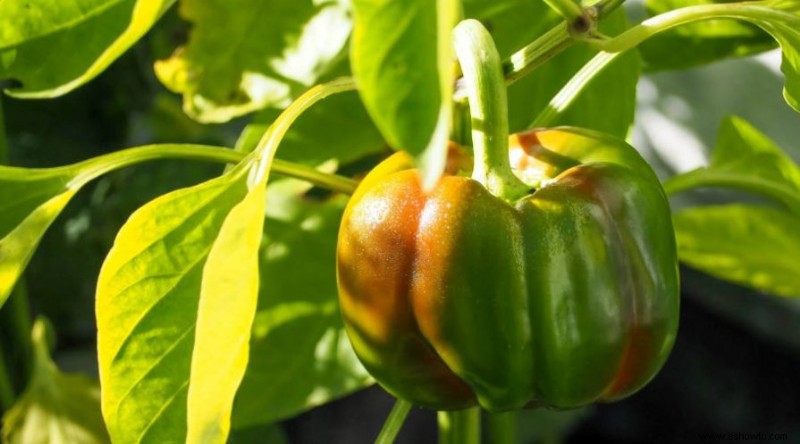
{"points": [[228, 298]]}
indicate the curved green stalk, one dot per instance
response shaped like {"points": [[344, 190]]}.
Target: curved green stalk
{"points": [[460, 427], [710, 178], [394, 422], [268, 145], [614, 47], [564, 98], [488, 107], [93, 168], [749, 11]]}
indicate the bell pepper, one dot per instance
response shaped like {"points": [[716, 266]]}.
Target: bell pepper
{"points": [[566, 296]]}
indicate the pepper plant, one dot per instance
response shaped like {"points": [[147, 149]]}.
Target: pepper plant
{"points": [[515, 252]]}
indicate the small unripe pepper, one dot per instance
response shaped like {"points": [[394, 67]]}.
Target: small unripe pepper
{"points": [[561, 298]]}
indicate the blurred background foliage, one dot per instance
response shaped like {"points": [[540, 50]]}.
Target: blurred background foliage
{"points": [[735, 364]]}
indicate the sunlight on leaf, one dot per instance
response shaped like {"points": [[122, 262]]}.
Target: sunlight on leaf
{"points": [[147, 301], [300, 356], [54, 47], [56, 408], [228, 298], [246, 55], [745, 159], [751, 245], [404, 79]]}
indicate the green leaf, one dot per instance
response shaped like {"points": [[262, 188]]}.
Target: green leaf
{"points": [[337, 128], [56, 408], [751, 245], [30, 199], [608, 102], [300, 356], [401, 57], [787, 32], [702, 42], [228, 297], [53, 47], [246, 55], [745, 159], [147, 304]]}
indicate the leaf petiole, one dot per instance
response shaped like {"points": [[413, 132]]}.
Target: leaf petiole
{"points": [[394, 422]]}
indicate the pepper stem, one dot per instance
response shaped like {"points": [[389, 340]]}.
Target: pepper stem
{"points": [[488, 103]]}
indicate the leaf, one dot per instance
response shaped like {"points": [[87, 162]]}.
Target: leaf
{"points": [[147, 304], [246, 55], [53, 47], [30, 199], [608, 102], [56, 408], [702, 42], [787, 32], [751, 245], [336, 128], [401, 58], [228, 297], [300, 356], [745, 159]]}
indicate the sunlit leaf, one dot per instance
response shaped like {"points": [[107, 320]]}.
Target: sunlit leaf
{"points": [[300, 356], [401, 58], [745, 159], [56, 408], [228, 297], [751, 245], [147, 304], [52, 47], [702, 42], [31, 198], [336, 128], [246, 55]]}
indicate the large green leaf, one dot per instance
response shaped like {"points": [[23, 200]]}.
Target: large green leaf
{"points": [[745, 159], [401, 58], [56, 408], [337, 128], [52, 47], [31, 198], [751, 245], [300, 356], [786, 31], [702, 42], [147, 307], [228, 297], [246, 55], [608, 102]]}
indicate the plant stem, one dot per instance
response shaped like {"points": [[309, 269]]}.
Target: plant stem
{"points": [[566, 8], [488, 105], [547, 46], [748, 11], [503, 428], [614, 47], [394, 422], [460, 427], [564, 98], [268, 145], [95, 167], [711, 178]]}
